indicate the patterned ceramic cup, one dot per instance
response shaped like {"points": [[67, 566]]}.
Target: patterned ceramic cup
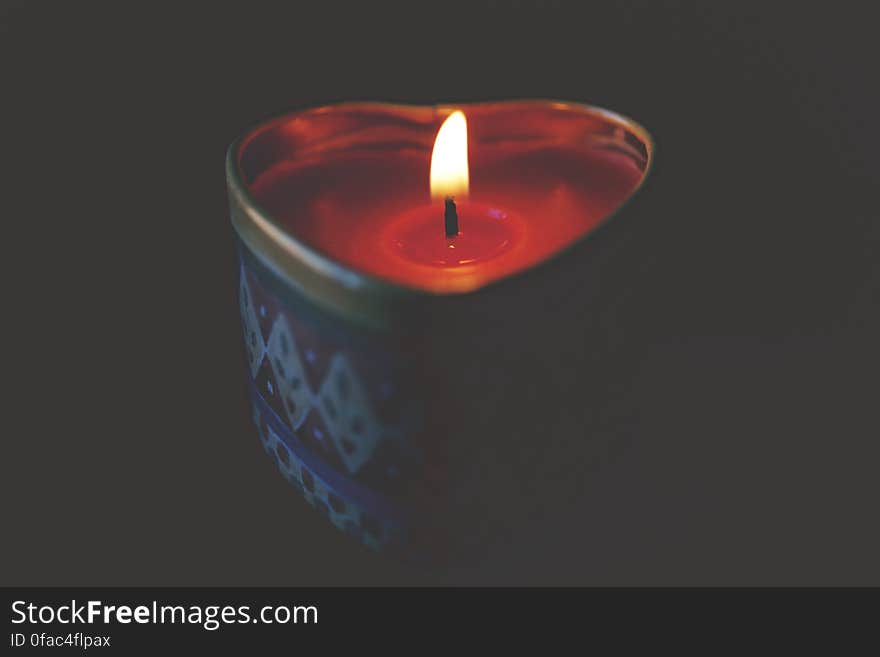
{"points": [[423, 425]]}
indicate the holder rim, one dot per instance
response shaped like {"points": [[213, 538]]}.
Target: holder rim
{"points": [[357, 295]]}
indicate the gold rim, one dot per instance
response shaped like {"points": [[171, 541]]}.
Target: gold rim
{"points": [[353, 294]]}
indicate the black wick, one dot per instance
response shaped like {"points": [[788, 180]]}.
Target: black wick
{"points": [[451, 217]]}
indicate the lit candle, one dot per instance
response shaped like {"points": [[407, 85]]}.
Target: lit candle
{"points": [[352, 221]]}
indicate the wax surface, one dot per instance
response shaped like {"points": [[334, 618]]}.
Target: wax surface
{"points": [[370, 207], [485, 235]]}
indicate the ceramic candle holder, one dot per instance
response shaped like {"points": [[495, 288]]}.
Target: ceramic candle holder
{"points": [[423, 423]]}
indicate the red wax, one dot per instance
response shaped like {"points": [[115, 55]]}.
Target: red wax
{"points": [[353, 184], [484, 234]]}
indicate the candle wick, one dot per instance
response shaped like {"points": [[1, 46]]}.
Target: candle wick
{"points": [[451, 217]]}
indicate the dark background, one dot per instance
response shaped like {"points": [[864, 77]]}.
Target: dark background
{"points": [[748, 449]]}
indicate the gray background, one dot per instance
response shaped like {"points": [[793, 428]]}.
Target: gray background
{"points": [[741, 448]]}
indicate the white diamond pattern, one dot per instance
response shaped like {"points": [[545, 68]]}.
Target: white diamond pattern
{"points": [[354, 429], [253, 338], [341, 399], [286, 365]]}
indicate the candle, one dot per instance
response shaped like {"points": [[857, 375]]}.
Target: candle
{"points": [[553, 177], [384, 257]]}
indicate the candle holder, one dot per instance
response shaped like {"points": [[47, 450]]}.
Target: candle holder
{"points": [[419, 421]]}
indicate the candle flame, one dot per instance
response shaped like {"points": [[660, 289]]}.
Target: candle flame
{"points": [[449, 161]]}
